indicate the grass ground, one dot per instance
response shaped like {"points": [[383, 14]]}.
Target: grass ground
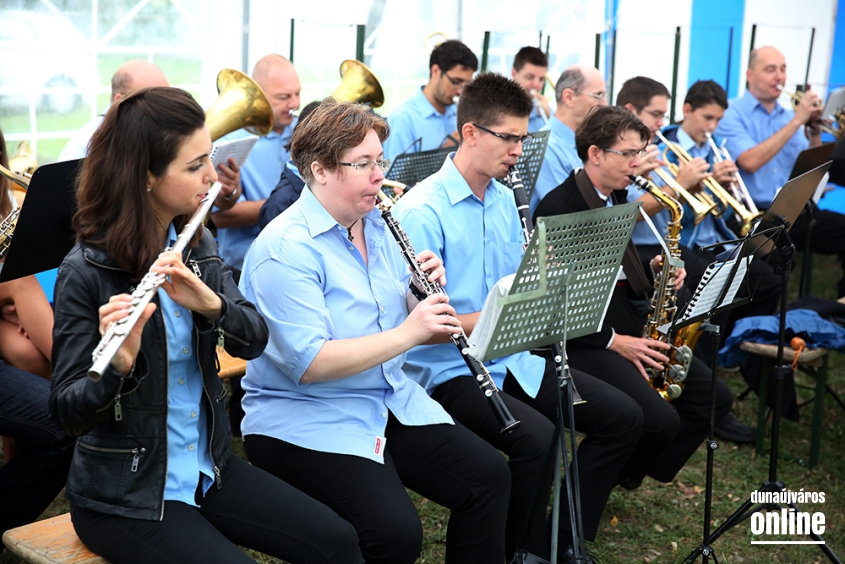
{"points": [[661, 523]]}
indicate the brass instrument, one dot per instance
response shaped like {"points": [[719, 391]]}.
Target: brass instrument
{"points": [[738, 186], [668, 381], [24, 160], [699, 206], [835, 126], [432, 35], [241, 104], [393, 190], [746, 217], [7, 226], [358, 84]]}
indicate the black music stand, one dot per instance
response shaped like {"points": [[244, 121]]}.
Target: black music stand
{"points": [[44, 235], [411, 168], [533, 153], [771, 237], [561, 290]]}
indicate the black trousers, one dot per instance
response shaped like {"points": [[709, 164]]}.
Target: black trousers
{"points": [[826, 237], [672, 431], [611, 421], [252, 509], [445, 463]]}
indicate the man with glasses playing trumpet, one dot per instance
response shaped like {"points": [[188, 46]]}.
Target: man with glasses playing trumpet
{"points": [[765, 138]]}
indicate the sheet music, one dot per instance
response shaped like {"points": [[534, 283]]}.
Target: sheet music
{"points": [[237, 149], [835, 102], [711, 286], [482, 334]]}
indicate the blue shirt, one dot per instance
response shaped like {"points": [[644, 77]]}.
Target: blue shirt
{"points": [[561, 159], [187, 434], [745, 125], [479, 242], [537, 120], [259, 176], [416, 119], [312, 285]]}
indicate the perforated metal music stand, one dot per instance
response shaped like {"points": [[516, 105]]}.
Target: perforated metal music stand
{"points": [[562, 290], [410, 168], [533, 153]]}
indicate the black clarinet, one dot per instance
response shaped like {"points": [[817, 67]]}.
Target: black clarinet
{"points": [[514, 180], [476, 367]]}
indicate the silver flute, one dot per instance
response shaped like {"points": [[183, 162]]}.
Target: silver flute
{"points": [[144, 292]]}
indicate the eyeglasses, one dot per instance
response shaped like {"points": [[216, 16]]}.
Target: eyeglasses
{"points": [[657, 114], [599, 96], [369, 164], [454, 81], [632, 154], [507, 138]]}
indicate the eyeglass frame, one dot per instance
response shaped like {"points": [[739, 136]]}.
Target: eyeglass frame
{"points": [[507, 137], [602, 96], [383, 165], [628, 155], [454, 81]]}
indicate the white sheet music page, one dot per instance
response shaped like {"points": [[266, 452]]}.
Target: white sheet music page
{"points": [[482, 334], [712, 283], [237, 149]]}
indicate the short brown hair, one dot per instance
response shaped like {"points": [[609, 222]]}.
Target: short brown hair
{"points": [[639, 91], [604, 125], [531, 56], [331, 130], [489, 97]]}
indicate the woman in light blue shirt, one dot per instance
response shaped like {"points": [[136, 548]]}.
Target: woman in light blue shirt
{"points": [[328, 407]]}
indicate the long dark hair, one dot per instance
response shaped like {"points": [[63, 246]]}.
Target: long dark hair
{"points": [[5, 183], [141, 133]]}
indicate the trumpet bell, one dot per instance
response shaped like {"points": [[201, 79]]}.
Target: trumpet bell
{"points": [[241, 104], [358, 84]]}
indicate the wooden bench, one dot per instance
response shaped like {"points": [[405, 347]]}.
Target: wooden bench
{"points": [[812, 362], [51, 541], [230, 367]]}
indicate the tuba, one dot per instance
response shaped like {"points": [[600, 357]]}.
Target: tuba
{"points": [[358, 84], [241, 104], [668, 381]]}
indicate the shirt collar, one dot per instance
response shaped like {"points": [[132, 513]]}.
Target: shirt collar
{"points": [[685, 141], [456, 185], [428, 108], [752, 104], [559, 128], [171, 235], [319, 220]]}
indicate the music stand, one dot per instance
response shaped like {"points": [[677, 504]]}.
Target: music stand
{"points": [[533, 153], [44, 235], [771, 237], [411, 168], [562, 290], [811, 158]]}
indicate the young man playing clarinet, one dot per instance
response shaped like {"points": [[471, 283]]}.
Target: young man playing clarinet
{"points": [[471, 222]]}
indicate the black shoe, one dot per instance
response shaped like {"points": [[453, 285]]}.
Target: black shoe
{"points": [[729, 428], [629, 484], [568, 557]]}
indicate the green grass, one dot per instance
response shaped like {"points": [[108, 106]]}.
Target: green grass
{"points": [[660, 523]]}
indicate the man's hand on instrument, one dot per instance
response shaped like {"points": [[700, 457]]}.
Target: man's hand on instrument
{"points": [[117, 308], [649, 162], [725, 172], [680, 273], [433, 316], [809, 108], [542, 101], [640, 351], [692, 173], [433, 266], [229, 175], [185, 288]]}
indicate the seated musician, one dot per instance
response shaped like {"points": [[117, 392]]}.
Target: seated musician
{"points": [[34, 476], [328, 406], [529, 71], [611, 142], [471, 221], [153, 476], [765, 139], [429, 115]]}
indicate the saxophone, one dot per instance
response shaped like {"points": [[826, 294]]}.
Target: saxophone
{"points": [[668, 381], [7, 226]]}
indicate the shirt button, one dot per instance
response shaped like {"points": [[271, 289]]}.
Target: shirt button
{"points": [[382, 309], [193, 414], [384, 414], [177, 314], [180, 381], [191, 447], [186, 350]]}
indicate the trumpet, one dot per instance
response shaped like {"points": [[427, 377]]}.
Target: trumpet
{"points": [[715, 190], [701, 206], [738, 186], [835, 127]]}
